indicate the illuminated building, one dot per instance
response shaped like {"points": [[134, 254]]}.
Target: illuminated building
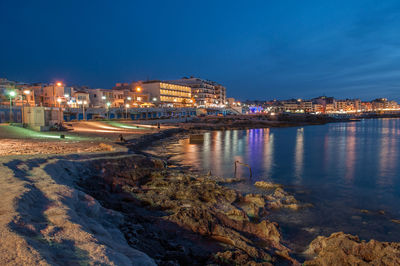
{"points": [[168, 93], [206, 93]]}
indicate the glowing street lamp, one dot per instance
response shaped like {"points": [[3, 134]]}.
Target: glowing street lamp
{"points": [[126, 111], [24, 93], [11, 94], [58, 84], [108, 109], [138, 89]]}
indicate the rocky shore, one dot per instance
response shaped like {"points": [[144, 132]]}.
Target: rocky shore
{"points": [[184, 218], [136, 209], [258, 121]]}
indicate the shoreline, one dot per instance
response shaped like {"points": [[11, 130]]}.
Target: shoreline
{"points": [[125, 182]]}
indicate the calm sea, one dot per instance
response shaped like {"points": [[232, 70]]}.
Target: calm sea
{"points": [[341, 169]]}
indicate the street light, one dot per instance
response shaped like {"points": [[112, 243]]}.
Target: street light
{"points": [[26, 92], [59, 100], [129, 98], [108, 110], [83, 108], [11, 94], [138, 89], [126, 111]]}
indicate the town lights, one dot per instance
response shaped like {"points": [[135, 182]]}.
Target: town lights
{"points": [[66, 95], [12, 94], [59, 84], [154, 99], [138, 89], [59, 100], [27, 92], [129, 98], [103, 97]]}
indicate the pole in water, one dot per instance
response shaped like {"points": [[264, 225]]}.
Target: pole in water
{"points": [[244, 164]]}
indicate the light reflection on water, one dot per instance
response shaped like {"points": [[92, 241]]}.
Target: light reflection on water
{"points": [[339, 168]]}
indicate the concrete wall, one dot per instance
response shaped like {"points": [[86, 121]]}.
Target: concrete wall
{"points": [[15, 115]]}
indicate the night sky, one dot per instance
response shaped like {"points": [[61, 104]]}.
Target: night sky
{"points": [[258, 49]]}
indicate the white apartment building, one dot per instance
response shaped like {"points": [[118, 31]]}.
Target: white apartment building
{"points": [[205, 92]]}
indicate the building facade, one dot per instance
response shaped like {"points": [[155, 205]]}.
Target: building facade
{"points": [[168, 93], [205, 93]]}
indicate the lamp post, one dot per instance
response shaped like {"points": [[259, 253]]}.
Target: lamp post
{"points": [[26, 93], [58, 84], [59, 111], [11, 94], [83, 108], [126, 111], [108, 110]]}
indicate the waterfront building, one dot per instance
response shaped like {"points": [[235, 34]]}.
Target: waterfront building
{"points": [[205, 92], [80, 98], [348, 105], [230, 101], [306, 106], [166, 93], [318, 108], [134, 94], [298, 106], [328, 103], [383, 104], [48, 94], [98, 97]]}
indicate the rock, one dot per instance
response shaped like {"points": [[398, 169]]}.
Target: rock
{"points": [[236, 257], [345, 249], [267, 185], [255, 198], [184, 205], [229, 180], [282, 199]]}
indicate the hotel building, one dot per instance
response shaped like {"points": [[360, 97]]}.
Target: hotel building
{"points": [[167, 93], [205, 92]]}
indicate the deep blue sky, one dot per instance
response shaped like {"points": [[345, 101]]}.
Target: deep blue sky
{"points": [[258, 49]]}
